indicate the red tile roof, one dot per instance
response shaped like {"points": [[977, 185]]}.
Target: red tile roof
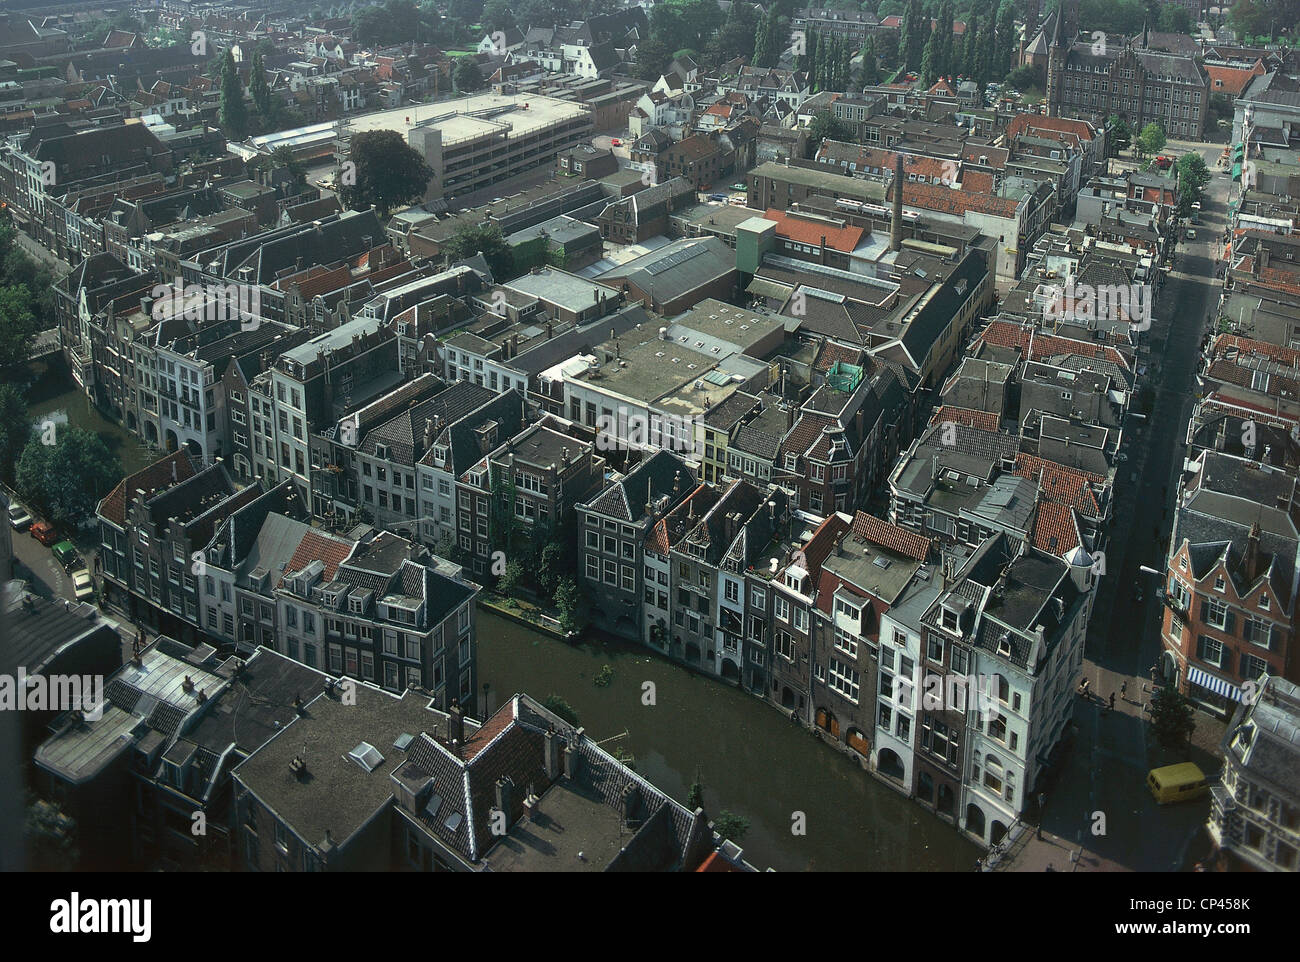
{"points": [[946, 200], [1055, 521], [1006, 334], [1061, 484], [493, 727], [1046, 126], [157, 475], [328, 549], [1245, 345], [822, 543], [909, 544], [983, 420], [1232, 80], [843, 239], [977, 180]]}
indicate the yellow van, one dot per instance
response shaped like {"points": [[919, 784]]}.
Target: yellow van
{"points": [[1177, 783]]}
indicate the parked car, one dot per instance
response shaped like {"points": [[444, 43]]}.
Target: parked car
{"points": [[1191, 234], [18, 517], [83, 587], [65, 552], [1163, 162], [43, 532], [615, 142]]}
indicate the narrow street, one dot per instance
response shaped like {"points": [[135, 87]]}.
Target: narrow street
{"points": [[1104, 778]]}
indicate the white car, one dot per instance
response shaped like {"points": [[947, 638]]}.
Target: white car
{"points": [[1191, 234], [83, 587], [18, 517]]}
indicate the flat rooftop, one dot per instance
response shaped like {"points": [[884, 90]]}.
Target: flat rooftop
{"points": [[570, 819], [496, 113]]}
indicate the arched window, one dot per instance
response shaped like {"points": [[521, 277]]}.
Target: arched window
{"points": [[993, 773]]}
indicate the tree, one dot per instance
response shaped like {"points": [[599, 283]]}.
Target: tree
{"points": [[1174, 19], [869, 72], [234, 112], [651, 58], [498, 15], [731, 826], [557, 705], [66, 480], [568, 606], [468, 77], [1006, 37], [259, 89], [735, 38], [824, 126], [513, 578], [1118, 135], [943, 40], [474, 239], [1193, 178], [928, 55], [887, 49], [695, 796], [50, 838], [907, 34], [1171, 717], [551, 568], [283, 156], [1152, 139], [18, 325], [15, 429], [388, 172]]}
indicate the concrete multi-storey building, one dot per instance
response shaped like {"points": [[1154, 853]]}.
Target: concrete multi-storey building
{"points": [[474, 143]]}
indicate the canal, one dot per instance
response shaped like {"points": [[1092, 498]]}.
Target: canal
{"points": [[52, 394], [750, 758]]}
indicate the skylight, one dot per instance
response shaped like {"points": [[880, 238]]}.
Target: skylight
{"points": [[367, 756]]}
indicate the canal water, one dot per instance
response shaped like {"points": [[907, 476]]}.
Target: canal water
{"points": [[53, 394], [751, 759]]}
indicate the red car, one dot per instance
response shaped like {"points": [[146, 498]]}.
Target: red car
{"points": [[43, 532], [1164, 163]]}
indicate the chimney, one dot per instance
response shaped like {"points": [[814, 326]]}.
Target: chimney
{"points": [[428, 432], [822, 254], [456, 723], [553, 744], [1263, 257], [1250, 563], [896, 223], [571, 759], [503, 793]]}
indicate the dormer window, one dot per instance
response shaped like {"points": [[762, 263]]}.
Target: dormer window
{"points": [[1219, 584], [356, 604], [949, 620], [1263, 602]]}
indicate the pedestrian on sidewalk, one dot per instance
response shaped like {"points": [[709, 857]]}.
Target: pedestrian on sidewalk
{"points": [[1112, 701], [979, 864], [1123, 691]]}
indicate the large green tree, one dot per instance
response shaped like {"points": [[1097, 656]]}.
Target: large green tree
{"points": [[468, 76], [1171, 718], [260, 90], [1152, 139], [1193, 178], [234, 112], [65, 480], [487, 240], [19, 324], [825, 126], [15, 430], [387, 171]]}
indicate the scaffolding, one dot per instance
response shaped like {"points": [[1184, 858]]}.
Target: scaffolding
{"points": [[844, 377]]}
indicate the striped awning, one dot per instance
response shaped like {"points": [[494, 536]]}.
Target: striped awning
{"points": [[1213, 683]]}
